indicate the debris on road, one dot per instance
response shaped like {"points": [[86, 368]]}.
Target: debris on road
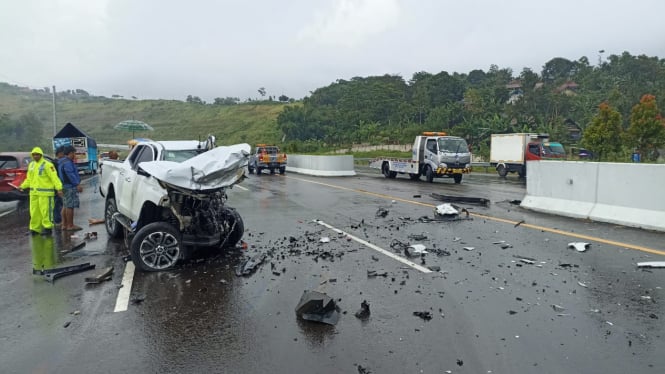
{"points": [[582, 284], [417, 237], [651, 264], [415, 250], [103, 276], [90, 235], [424, 315], [249, 265], [434, 268], [318, 307], [324, 239], [558, 308], [363, 370], [363, 312], [519, 223], [469, 248], [381, 212], [461, 199], [52, 274], [95, 221], [579, 246], [446, 210], [374, 273]]}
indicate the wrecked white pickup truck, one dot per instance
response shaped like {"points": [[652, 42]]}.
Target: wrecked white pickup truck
{"points": [[169, 198]]}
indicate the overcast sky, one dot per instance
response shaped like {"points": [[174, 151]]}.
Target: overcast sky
{"points": [[216, 48]]}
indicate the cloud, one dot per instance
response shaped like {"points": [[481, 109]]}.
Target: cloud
{"points": [[351, 22]]}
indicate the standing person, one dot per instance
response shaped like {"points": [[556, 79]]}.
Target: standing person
{"points": [[57, 210], [43, 182], [71, 187]]}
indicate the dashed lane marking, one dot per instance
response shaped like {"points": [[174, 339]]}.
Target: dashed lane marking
{"points": [[123, 295], [377, 248]]}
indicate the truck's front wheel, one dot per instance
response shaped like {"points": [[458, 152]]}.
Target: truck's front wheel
{"points": [[457, 178], [156, 247], [113, 228], [429, 174]]}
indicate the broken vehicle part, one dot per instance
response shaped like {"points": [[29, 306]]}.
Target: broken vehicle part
{"points": [[374, 273], [318, 307], [102, 276], [415, 250], [417, 237], [651, 264], [52, 274], [461, 199], [363, 312], [249, 265], [381, 212], [424, 315], [579, 246]]}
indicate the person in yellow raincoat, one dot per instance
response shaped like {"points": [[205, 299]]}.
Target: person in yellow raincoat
{"points": [[43, 182]]}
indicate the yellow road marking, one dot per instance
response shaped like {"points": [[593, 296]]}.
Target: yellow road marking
{"points": [[496, 219]]}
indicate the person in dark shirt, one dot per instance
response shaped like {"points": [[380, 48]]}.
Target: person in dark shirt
{"points": [[57, 206], [71, 183]]}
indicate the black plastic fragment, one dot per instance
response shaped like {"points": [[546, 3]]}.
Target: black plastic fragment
{"points": [[461, 199], [318, 307], [363, 312], [249, 265]]}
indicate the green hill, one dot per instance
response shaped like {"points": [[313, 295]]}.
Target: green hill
{"points": [[253, 122]]}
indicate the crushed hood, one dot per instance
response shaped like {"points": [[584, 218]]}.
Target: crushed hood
{"points": [[217, 168]]}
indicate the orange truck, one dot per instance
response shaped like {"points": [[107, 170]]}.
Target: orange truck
{"points": [[267, 157]]}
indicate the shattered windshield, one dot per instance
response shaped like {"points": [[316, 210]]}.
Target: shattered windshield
{"points": [[181, 155], [452, 145]]}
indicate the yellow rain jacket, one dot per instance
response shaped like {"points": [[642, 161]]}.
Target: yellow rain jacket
{"points": [[42, 178]]}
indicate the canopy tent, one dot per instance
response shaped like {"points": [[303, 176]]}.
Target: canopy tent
{"points": [[71, 131]]}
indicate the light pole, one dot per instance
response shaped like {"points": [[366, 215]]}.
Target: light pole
{"points": [[54, 120]]}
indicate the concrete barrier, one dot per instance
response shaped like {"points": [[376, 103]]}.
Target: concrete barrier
{"points": [[326, 166], [626, 194]]}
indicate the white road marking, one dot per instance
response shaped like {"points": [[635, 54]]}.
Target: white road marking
{"points": [[123, 295], [377, 248], [241, 187]]}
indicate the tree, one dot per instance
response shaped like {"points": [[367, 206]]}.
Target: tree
{"points": [[646, 132], [283, 98], [194, 99], [603, 135], [262, 91]]}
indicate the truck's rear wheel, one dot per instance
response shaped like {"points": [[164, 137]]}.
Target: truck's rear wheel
{"points": [[457, 178], [156, 247], [272, 170], [429, 174], [502, 171], [522, 172], [113, 227], [259, 170], [385, 168]]}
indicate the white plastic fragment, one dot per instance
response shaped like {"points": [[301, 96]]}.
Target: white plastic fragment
{"points": [[469, 248], [325, 239], [582, 284], [645, 297], [446, 209], [579, 246], [651, 264], [418, 248], [609, 323], [530, 262]]}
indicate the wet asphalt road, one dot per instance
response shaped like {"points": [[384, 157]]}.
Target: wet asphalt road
{"points": [[568, 312]]}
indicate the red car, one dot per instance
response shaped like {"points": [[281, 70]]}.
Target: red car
{"points": [[13, 169]]}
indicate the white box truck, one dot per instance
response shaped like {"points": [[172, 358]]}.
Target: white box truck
{"points": [[509, 153]]}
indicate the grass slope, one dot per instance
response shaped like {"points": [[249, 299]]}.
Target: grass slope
{"points": [[248, 122]]}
